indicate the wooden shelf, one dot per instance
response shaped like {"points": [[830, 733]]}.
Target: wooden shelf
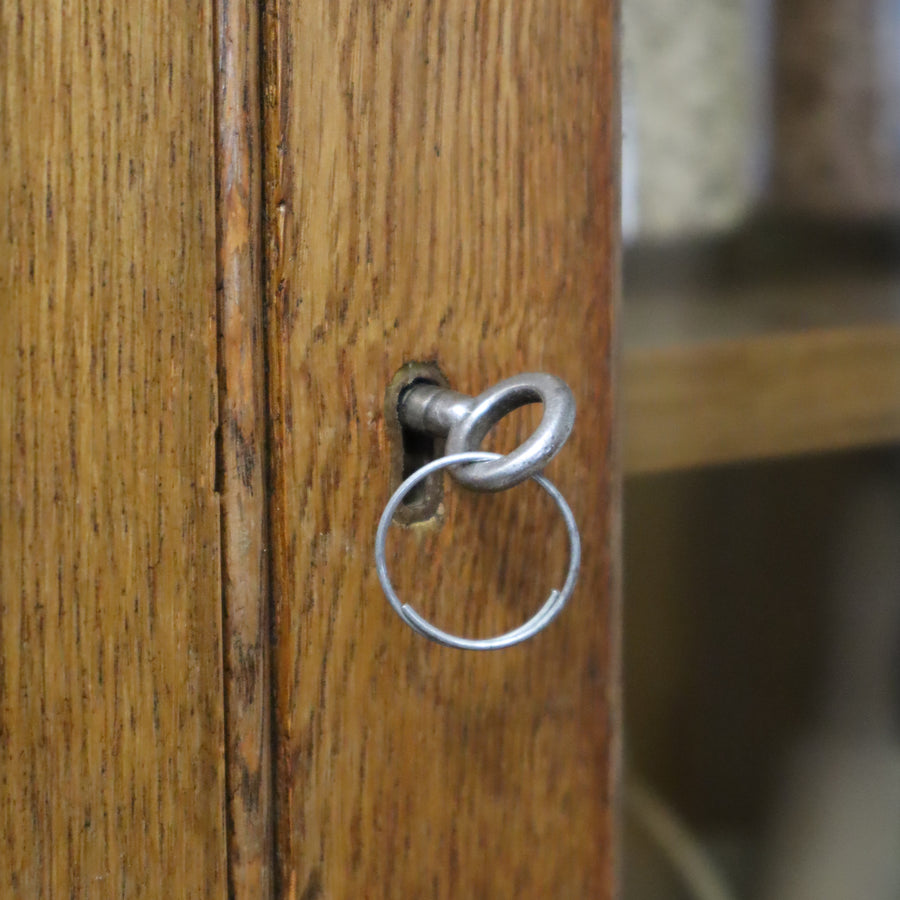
{"points": [[754, 370]]}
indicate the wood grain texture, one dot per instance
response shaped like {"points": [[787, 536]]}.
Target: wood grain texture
{"points": [[242, 460], [765, 396], [439, 185], [111, 724]]}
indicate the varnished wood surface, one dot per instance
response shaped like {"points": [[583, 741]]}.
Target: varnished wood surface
{"points": [[242, 452], [771, 395], [439, 186], [111, 724]]}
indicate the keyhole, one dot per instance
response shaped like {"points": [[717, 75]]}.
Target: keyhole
{"points": [[410, 450]]}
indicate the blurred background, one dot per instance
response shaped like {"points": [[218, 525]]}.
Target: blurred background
{"points": [[761, 393]]}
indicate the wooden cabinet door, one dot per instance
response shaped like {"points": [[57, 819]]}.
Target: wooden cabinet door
{"points": [[226, 228], [439, 187], [111, 719]]}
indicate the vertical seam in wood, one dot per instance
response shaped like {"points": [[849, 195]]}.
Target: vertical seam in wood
{"points": [[241, 451], [272, 218]]}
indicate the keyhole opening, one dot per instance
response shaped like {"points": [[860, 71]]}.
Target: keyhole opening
{"points": [[418, 449], [410, 450]]}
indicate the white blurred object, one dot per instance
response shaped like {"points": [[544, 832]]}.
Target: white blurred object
{"points": [[695, 114], [838, 836], [663, 858], [838, 825], [629, 162]]}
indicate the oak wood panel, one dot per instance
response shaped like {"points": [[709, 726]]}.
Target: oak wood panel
{"points": [[241, 451], [439, 186], [771, 395], [111, 723]]}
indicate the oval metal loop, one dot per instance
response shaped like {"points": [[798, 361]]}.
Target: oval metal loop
{"points": [[530, 457], [542, 618]]}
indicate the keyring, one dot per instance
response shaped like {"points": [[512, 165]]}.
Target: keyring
{"points": [[540, 620]]}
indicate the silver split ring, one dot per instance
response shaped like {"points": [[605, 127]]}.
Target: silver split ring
{"points": [[540, 620]]}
